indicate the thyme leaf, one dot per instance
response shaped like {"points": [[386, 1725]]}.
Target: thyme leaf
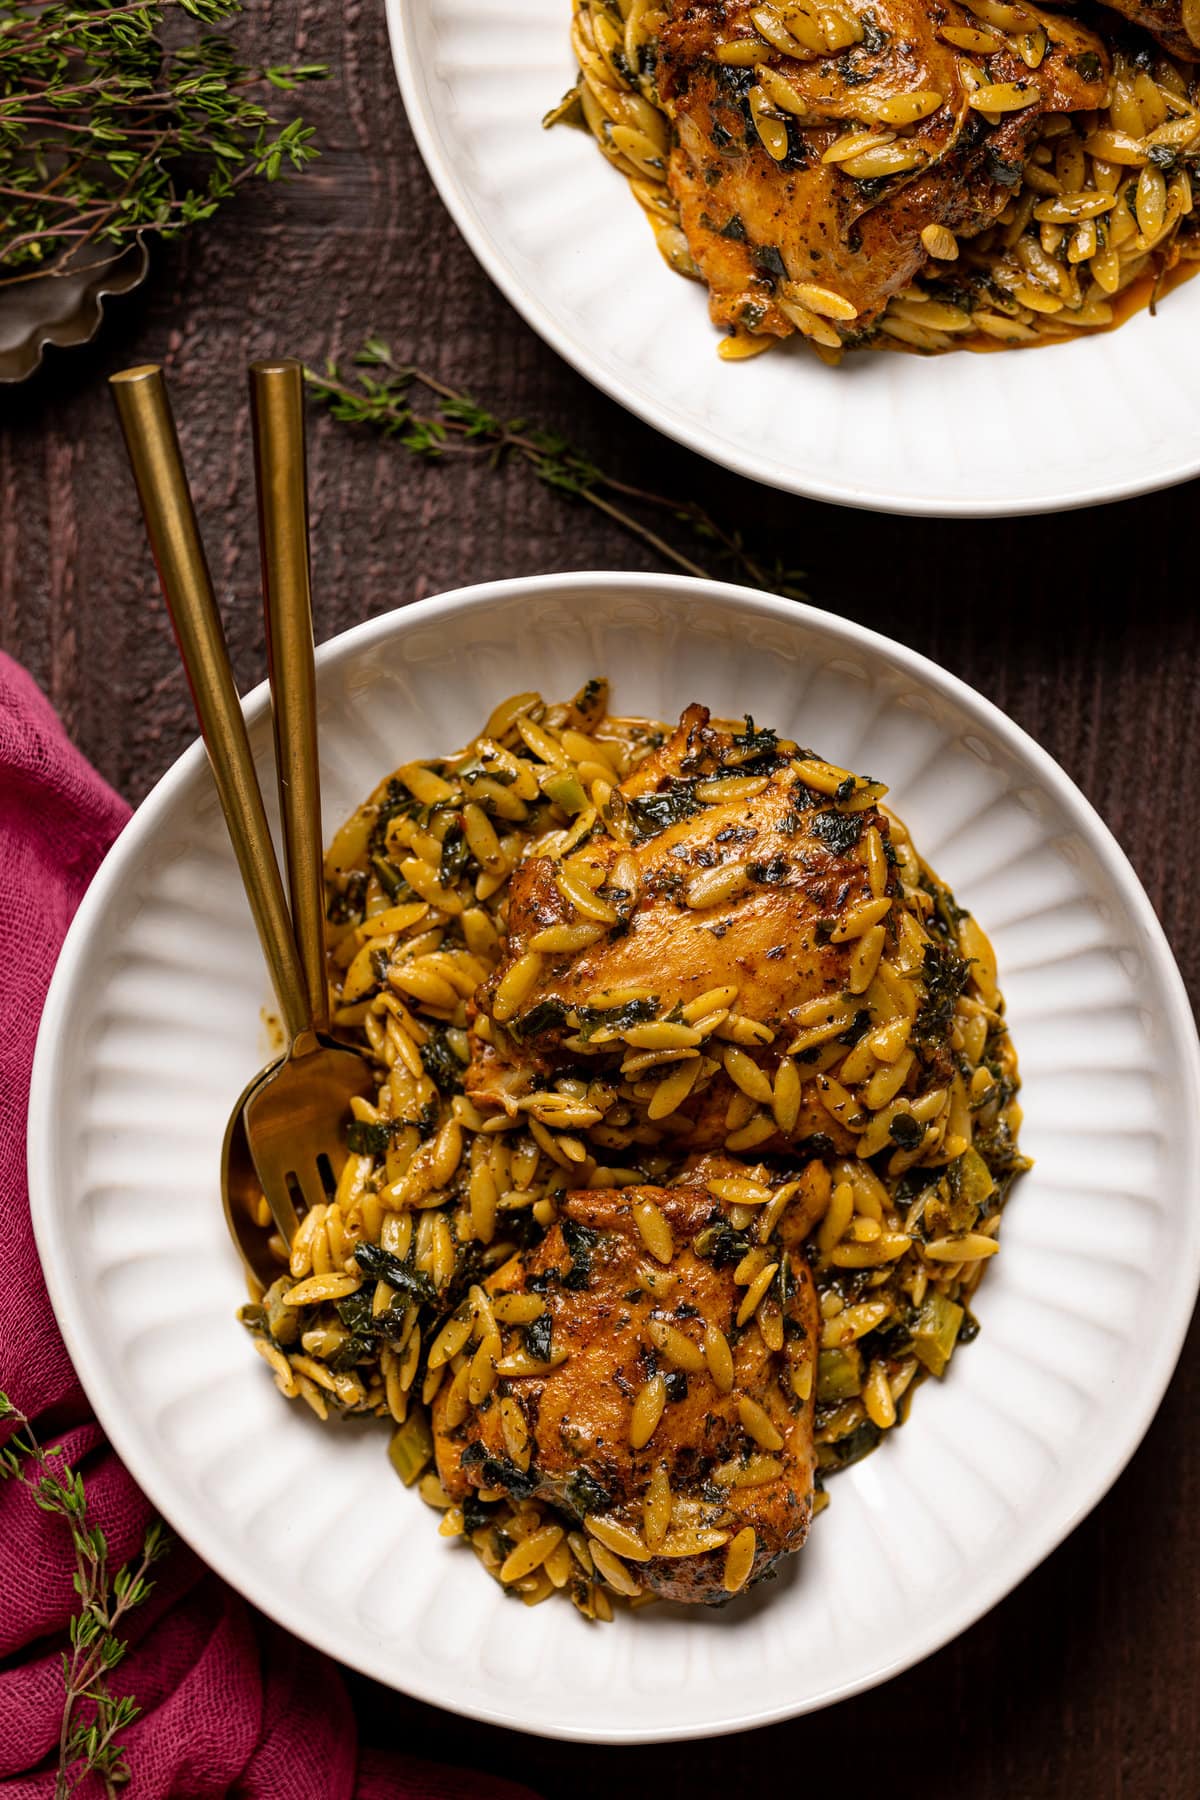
{"points": [[104, 133], [450, 423], [93, 1716]]}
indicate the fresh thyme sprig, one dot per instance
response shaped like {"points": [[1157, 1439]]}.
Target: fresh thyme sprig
{"points": [[456, 424], [92, 1716], [105, 133]]}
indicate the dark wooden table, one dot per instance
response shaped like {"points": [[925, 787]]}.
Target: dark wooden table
{"points": [[1084, 628]]}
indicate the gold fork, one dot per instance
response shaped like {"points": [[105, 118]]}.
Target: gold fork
{"points": [[289, 1122]]}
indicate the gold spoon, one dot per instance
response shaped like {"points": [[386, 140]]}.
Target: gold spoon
{"points": [[286, 1131]]}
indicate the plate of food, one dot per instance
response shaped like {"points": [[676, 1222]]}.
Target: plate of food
{"points": [[827, 184], [770, 1229]]}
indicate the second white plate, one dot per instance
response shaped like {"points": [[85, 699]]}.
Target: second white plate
{"points": [[152, 1028], [557, 230]]}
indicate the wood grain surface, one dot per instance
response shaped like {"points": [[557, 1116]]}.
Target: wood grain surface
{"points": [[1084, 628]]}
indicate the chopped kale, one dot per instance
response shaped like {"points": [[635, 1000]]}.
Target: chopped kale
{"points": [[502, 1472], [912, 1183], [585, 1493], [855, 1033], [753, 314], [945, 975], [763, 743], [1164, 157], [771, 874], [440, 1063], [390, 879], [381, 1265], [676, 1385], [537, 1337], [947, 914], [720, 1244], [397, 803], [366, 1328], [998, 1148], [543, 1015], [357, 1314], [906, 1131], [968, 1331], [473, 1455], [477, 770], [581, 1242], [734, 229], [1086, 65], [838, 831], [365, 1138], [652, 813], [633, 1012], [770, 263], [455, 855]]}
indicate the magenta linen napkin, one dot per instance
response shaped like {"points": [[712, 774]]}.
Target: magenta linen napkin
{"points": [[231, 1704]]}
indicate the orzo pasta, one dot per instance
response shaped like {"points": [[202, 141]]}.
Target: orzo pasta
{"points": [[978, 175], [695, 1120]]}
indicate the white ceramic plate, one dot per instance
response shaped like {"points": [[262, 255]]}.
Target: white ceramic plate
{"points": [[153, 1025], [558, 232]]}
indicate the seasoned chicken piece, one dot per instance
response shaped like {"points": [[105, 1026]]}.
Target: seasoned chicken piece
{"points": [[732, 913], [669, 1398], [1175, 23], [783, 236]]}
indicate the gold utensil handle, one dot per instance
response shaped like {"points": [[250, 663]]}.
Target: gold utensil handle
{"points": [[150, 437], [277, 409]]}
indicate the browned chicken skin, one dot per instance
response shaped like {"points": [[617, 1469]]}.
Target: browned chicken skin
{"points": [[1175, 23], [758, 228], [769, 938], [735, 1451]]}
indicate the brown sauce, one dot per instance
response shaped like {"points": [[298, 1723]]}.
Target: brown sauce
{"points": [[1150, 287]]}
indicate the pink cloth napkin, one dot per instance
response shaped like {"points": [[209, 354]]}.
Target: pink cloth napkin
{"points": [[230, 1703]]}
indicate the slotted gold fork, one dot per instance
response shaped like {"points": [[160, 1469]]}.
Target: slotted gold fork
{"points": [[288, 1125]]}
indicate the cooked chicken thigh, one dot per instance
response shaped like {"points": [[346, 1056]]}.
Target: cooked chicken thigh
{"points": [[1175, 23], [660, 1387], [731, 917], [814, 183]]}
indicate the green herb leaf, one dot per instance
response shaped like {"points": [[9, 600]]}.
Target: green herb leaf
{"points": [[105, 134], [381, 1265], [455, 424]]}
